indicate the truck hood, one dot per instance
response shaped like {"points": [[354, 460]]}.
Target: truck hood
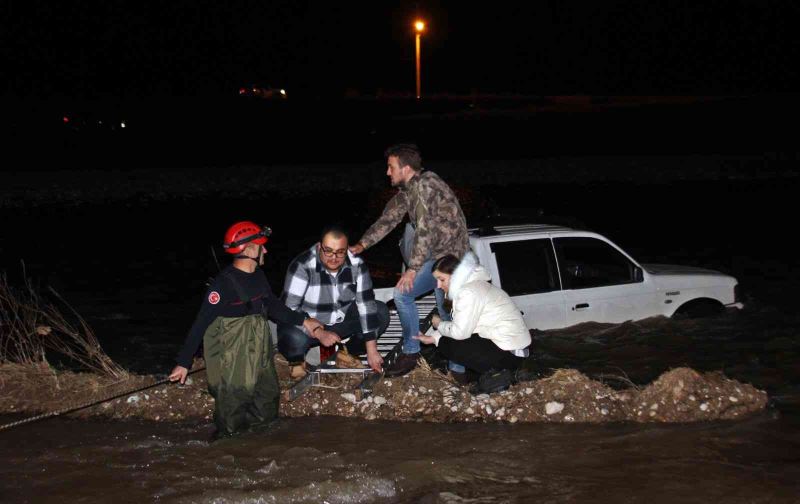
{"points": [[673, 269]]}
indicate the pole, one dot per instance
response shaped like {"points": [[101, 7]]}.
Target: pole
{"points": [[419, 85]]}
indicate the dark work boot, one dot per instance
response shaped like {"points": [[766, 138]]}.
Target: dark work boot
{"points": [[493, 381], [403, 365], [527, 374]]}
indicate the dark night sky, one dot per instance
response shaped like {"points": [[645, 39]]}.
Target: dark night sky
{"points": [[202, 47]]}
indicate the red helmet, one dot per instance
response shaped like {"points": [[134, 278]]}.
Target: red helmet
{"points": [[242, 233]]}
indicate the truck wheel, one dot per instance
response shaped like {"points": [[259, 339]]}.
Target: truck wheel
{"points": [[698, 308]]}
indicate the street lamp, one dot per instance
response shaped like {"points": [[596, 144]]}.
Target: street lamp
{"points": [[419, 26]]}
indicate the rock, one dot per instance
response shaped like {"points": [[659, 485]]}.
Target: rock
{"points": [[379, 400], [553, 407], [704, 407], [349, 397], [133, 399], [189, 381]]}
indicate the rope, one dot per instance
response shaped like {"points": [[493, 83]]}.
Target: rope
{"points": [[93, 402]]}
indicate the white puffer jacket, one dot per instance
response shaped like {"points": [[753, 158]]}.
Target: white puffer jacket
{"points": [[480, 307]]}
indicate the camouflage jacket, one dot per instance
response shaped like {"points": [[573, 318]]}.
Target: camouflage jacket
{"points": [[432, 206]]}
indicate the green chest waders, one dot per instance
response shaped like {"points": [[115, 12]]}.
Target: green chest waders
{"points": [[241, 372]]}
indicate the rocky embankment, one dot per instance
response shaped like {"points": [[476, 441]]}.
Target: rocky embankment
{"points": [[565, 395]]}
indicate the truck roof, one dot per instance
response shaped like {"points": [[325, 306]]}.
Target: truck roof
{"points": [[520, 229]]}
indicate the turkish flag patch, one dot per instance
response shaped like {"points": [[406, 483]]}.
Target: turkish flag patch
{"points": [[213, 298]]}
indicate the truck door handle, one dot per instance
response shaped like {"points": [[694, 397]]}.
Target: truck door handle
{"points": [[579, 306]]}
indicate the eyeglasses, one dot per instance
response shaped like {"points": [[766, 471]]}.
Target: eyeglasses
{"points": [[330, 252]]}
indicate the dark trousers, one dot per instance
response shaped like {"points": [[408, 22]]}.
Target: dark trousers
{"points": [[478, 354], [294, 343]]}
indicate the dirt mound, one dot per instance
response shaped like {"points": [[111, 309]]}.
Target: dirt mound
{"points": [[427, 395], [684, 395], [680, 395]]}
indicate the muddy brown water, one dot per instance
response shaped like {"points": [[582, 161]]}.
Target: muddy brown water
{"points": [[328, 459], [338, 460]]}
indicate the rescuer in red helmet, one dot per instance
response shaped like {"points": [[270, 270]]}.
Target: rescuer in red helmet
{"points": [[232, 324]]}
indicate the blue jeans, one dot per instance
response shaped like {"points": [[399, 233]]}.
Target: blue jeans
{"points": [[424, 282]]}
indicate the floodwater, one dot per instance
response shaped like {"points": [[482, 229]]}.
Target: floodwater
{"points": [[344, 461], [336, 460]]}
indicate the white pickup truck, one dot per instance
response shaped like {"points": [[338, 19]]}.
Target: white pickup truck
{"points": [[559, 277]]}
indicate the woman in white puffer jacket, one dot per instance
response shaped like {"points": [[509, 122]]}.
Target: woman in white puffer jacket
{"points": [[487, 332]]}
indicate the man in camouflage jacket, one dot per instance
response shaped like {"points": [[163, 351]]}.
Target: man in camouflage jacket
{"points": [[440, 229]]}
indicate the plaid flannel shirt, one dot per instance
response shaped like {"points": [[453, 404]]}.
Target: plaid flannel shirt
{"points": [[310, 288]]}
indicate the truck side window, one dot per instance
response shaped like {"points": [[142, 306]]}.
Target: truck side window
{"points": [[589, 262], [526, 266]]}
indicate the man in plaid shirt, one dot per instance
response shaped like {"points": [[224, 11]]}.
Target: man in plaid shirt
{"points": [[333, 286]]}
